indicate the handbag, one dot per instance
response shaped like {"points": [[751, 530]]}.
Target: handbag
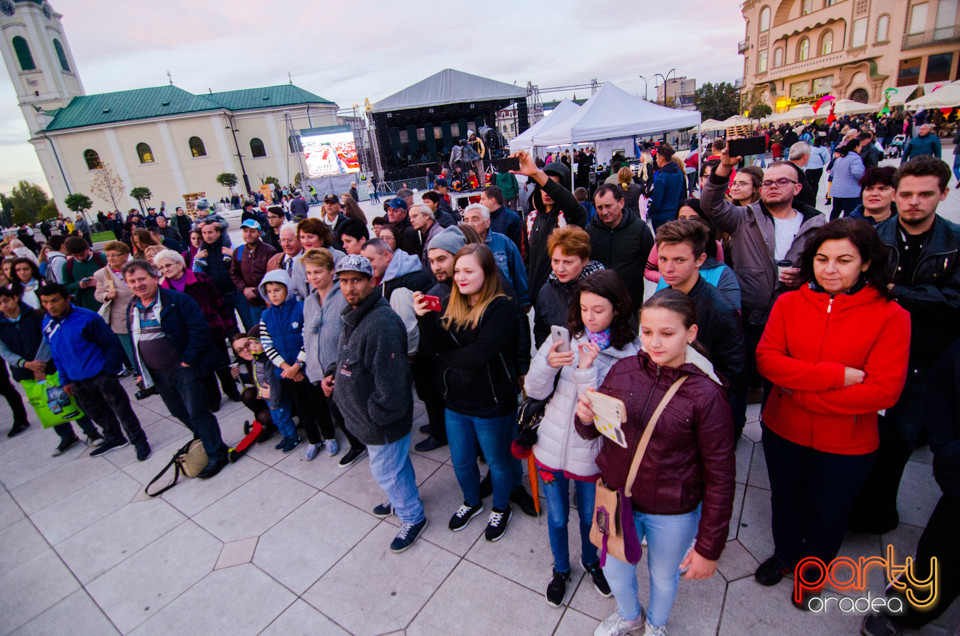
{"points": [[106, 307], [189, 461], [613, 530], [528, 420]]}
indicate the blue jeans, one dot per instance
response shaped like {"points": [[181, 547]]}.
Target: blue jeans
{"points": [[956, 163], [282, 417], [557, 493], [255, 313], [494, 435], [182, 392], [390, 465], [668, 539], [238, 301]]}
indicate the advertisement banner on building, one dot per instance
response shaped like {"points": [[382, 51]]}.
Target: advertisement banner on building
{"points": [[329, 151]]}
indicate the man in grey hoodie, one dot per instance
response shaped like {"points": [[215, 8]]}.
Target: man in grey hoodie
{"points": [[371, 387]]}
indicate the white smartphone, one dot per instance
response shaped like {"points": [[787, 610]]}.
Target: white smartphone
{"points": [[561, 334]]}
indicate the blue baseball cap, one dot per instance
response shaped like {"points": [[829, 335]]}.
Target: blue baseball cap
{"points": [[397, 203], [251, 224]]}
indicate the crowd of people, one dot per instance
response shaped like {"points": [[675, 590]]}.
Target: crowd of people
{"points": [[326, 327]]}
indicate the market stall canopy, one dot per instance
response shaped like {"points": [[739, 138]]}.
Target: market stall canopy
{"points": [[612, 113], [709, 125], [557, 115], [843, 107], [804, 111], [905, 93], [449, 87], [947, 96], [736, 120]]}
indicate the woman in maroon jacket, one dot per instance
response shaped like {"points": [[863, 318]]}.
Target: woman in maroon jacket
{"points": [[219, 316], [683, 495], [836, 351]]}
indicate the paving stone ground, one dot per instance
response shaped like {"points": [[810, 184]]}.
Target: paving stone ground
{"points": [[278, 545]]}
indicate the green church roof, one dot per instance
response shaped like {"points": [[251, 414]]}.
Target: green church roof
{"points": [[162, 101]]}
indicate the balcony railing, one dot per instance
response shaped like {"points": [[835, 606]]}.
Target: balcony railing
{"points": [[743, 46], [814, 63], [943, 35]]}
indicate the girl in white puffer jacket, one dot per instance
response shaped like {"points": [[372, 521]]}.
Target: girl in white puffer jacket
{"points": [[601, 335]]}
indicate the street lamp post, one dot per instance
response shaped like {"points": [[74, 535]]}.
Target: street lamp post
{"points": [[664, 78], [645, 80]]}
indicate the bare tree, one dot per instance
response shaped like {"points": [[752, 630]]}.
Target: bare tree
{"points": [[108, 186]]}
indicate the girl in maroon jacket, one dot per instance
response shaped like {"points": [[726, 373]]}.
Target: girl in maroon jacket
{"points": [[683, 495], [836, 351]]}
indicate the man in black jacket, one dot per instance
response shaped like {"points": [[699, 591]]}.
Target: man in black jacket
{"points": [[800, 157], [552, 205], [869, 153], [620, 239], [924, 251], [681, 249]]}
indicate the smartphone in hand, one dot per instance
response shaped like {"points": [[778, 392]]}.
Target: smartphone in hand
{"points": [[507, 163], [561, 334], [433, 303]]}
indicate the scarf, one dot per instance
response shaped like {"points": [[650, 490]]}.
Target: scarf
{"points": [[601, 338], [857, 286]]}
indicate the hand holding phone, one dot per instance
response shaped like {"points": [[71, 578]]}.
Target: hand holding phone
{"points": [[432, 302], [507, 163], [562, 335]]}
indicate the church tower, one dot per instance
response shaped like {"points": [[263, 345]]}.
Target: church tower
{"points": [[38, 59]]}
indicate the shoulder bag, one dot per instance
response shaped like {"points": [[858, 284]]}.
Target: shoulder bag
{"points": [[613, 529], [189, 461]]}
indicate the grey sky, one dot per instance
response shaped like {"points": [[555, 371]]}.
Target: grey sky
{"points": [[348, 51]]}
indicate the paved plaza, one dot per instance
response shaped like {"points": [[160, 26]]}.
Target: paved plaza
{"points": [[278, 545]]}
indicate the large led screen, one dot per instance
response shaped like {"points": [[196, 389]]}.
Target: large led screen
{"points": [[329, 151]]}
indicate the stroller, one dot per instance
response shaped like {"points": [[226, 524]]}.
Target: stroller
{"points": [[895, 147]]}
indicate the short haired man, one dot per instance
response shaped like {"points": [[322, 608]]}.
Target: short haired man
{"points": [[681, 250], [799, 157], [407, 195], [923, 250], [668, 188], [160, 238], [620, 239], [271, 233], [923, 144], [88, 357], [78, 272], [442, 211], [423, 221], [22, 347], [353, 234], [182, 222], [172, 344], [502, 220], [168, 231], [299, 208], [868, 150], [877, 193], [409, 241], [247, 269], [504, 251], [56, 259], [371, 387], [288, 259], [333, 216]]}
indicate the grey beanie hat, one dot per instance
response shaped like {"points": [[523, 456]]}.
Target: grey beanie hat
{"points": [[450, 239]]}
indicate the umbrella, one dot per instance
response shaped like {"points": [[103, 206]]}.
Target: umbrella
{"points": [[708, 125], [737, 120], [804, 111], [849, 107], [947, 96]]}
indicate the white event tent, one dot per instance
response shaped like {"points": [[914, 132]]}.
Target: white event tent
{"points": [[947, 96], [524, 141]]}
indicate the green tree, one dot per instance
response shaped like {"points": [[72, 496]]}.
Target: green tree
{"points": [[49, 211], [27, 199], [6, 211], [717, 101], [760, 111], [141, 194], [227, 180], [78, 202], [296, 179], [272, 180]]}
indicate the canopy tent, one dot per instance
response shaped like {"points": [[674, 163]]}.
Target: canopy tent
{"points": [[843, 107], [613, 113], [737, 120], [449, 87], [709, 125], [804, 111], [905, 93], [524, 141], [947, 96]]}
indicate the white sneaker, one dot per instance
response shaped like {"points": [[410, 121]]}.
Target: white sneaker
{"points": [[615, 625], [651, 630], [332, 447], [312, 450]]}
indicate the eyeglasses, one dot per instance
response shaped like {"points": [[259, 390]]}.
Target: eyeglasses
{"points": [[780, 183]]}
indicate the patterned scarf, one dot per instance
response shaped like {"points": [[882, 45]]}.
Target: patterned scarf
{"points": [[601, 338]]}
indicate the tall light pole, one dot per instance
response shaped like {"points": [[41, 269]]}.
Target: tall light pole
{"points": [[243, 171], [674, 71], [645, 80]]}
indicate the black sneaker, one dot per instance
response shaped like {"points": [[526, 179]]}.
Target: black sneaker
{"points": [[772, 571], [557, 588], [17, 428], [383, 510], [599, 580], [352, 456], [109, 445], [522, 498], [425, 429], [463, 515], [407, 535], [65, 445], [486, 486], [143, 451], [497, 524], [289, 444], [429, 444]]}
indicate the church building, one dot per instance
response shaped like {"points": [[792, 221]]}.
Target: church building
{"points": [[164, 138]]}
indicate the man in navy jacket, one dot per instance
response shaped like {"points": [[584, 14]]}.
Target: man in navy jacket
{"points": [[171, 341], [88, 356]]}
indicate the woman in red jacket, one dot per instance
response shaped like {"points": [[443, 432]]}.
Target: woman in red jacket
{"points": [[682, 498], [836, 351]]}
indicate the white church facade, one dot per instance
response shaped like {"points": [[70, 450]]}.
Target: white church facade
{"points": [[164, 138]]}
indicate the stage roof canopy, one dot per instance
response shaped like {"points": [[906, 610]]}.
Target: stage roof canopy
{"points": [[449, 87]]}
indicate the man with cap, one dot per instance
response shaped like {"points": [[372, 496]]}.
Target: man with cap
{"points": [[151, 218], [299, 208], [397, 215], [249, 264], [249, 211], [552, 206], [371, 387], [334, 217], [206, 215]]}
